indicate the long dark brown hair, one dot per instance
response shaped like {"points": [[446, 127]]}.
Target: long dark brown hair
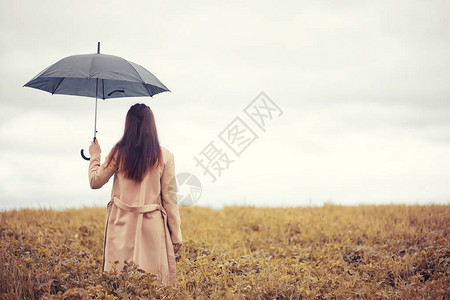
{"points": [[139, 148]]}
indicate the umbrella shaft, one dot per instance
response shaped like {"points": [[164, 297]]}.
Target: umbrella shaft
{"points": [[95, 119], [96, 92]]}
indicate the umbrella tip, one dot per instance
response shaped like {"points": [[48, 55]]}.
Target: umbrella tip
{"points": [[98, 48]]}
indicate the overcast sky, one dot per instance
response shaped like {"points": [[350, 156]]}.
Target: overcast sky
{"points": [[363, 87]]}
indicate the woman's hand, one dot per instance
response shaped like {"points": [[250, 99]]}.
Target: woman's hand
{"points": [[176, 247], [94, 148]]}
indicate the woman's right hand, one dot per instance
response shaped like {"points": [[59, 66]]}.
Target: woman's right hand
{"points": [[94, 148]]}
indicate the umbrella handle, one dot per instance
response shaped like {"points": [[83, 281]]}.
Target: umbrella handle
{"points": [[84, 156], [82, 153]]}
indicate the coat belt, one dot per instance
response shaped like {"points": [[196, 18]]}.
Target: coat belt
{"points": [[137, 209], [134, 209]]}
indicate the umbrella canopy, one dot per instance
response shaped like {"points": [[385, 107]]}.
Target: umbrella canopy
{"points": [[98, 76]]}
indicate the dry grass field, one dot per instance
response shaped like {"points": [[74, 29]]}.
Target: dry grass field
{"points": [[329, 252]]}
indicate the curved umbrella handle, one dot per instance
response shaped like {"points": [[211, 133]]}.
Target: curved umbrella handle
{"points": [[82, 150], [84, 156]]}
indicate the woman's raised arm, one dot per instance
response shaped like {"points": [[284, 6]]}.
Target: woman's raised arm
{"points": [[100, 174]]}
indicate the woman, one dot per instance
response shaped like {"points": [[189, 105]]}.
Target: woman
{"points": [[143, 221]]}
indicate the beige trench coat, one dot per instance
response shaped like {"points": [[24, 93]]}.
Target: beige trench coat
{"points": [[143, 220]]}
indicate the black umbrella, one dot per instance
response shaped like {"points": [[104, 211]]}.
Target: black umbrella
{"points": [[97, 76]]}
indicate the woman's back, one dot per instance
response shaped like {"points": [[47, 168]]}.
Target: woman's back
{"points": [[148, 191]]}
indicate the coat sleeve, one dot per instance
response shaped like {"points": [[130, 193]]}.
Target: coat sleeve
{"points": [[169, 199], [100, 174]]}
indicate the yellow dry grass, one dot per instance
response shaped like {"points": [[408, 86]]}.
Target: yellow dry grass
{"points": [[330, 252]]}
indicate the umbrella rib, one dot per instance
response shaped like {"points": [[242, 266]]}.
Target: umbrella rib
{"points": [[91, 67], [57, 86], [148, 91], [103, 88]]}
